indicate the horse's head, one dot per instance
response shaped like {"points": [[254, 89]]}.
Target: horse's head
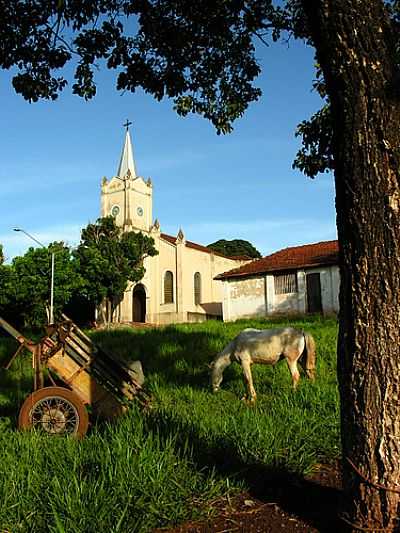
{"points": [[215, 376]]}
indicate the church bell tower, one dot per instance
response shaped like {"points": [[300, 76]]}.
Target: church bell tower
{"points": [[127, 196]]}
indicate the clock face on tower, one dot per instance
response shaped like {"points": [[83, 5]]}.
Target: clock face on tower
{"points": [[115, 210], [139, 211]]}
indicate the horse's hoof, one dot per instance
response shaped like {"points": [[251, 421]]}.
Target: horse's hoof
{"points": [[249, 401]]}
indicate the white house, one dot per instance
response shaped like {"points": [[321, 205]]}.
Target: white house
{"points": [[300, 279]]}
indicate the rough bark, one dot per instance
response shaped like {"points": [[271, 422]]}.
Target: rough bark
{"points": [[355, 48]]}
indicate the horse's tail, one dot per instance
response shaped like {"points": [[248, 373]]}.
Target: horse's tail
{"points": [[310, 355]]}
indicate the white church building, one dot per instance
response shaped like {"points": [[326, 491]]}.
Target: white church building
{"points": [[179, 284]]}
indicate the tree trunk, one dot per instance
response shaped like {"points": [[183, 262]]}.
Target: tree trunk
{"points": [[355, 48], [103, 310]]}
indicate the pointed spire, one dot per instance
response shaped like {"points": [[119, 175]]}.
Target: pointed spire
{"points": [[127, 163], [180, 238]]}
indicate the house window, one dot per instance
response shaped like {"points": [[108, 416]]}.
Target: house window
{"points": [[285, 283], [197, 288], [168, 287]]}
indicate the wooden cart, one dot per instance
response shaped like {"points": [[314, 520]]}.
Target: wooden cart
{"points": [[89, 377]]}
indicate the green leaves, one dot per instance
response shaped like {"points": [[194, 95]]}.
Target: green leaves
{"points": [[235, 247], [25, 284], [99, 269], [316, 154], [201, 54], [108, 258]]}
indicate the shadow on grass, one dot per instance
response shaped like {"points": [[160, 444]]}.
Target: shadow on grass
{"points": [[14, 388], [180, 356], [16, 382], [310, 500]]}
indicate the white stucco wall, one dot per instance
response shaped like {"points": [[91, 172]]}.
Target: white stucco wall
{"points": [[244, 298], [255, 296]]}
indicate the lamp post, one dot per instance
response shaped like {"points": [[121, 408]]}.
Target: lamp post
{"points": [[51, 314]]}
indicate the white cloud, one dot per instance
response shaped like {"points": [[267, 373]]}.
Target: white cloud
{"points": [[266, 235], [29, 176], [16, 243]]}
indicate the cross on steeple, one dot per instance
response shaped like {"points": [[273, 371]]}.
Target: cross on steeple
{"points": [[127, 162], [127, 124]]}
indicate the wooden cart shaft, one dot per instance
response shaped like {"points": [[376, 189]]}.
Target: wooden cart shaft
{"points": [[95, 376], [13, 332]]}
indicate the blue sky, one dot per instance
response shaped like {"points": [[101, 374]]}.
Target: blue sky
{"points": [[54, 154]]}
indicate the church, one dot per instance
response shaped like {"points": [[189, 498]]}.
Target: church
{"points": [[179, 284]]}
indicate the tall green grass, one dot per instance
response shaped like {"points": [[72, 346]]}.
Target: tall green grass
{"points": [[167, 464]]}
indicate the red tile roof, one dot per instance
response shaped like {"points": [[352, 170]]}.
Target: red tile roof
{"points": [[308, 255], [189, 244]]}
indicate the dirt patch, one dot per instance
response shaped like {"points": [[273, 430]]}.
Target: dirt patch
{"points": [[282, 503]]}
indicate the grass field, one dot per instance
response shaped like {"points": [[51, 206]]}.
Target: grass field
{"points": [[168, 464]]}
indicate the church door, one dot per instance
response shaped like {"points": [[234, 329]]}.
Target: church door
{"points": [[139, 304]]}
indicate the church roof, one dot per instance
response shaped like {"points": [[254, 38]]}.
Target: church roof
{"points": [[305, 256], [201, 248], [127, 161]]}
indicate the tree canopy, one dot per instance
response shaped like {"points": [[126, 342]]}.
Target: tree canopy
{"points": [[25, 284], [201, 54], [107, 259], [235, 247], [6, 281], [169, 48], [97, 271]]}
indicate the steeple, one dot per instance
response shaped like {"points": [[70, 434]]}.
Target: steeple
{"points": [[127, 196], [127, 163]]}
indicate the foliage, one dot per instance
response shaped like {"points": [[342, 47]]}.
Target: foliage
{"points": [[5, 282], [200, 54], [168, 464], [108, 258], [235, 247], [26, 283], [316, 154]]}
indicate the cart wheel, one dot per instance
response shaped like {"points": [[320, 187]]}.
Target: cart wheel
{"points": [[56, 411]]}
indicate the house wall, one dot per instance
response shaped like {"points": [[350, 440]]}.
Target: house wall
{"points": [[255, 296], [244, 298]]}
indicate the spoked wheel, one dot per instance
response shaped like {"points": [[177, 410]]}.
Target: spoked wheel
{"points": [[55, 411]]}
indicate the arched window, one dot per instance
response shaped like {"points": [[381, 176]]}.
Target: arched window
{"points": [[197, 288], [168, 287]]}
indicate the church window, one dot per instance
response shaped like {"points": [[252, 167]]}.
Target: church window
{"points": [[168, 287], [285, 283], [197, 288]]}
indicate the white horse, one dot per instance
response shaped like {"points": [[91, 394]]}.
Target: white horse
{"points": [[266, 346]]}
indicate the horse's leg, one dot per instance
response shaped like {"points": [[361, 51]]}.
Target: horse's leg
{"points": [[291, 359], [310, 355], [246, 366], [218, 367]]}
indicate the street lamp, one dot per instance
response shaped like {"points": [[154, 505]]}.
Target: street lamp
{"points": [[51, 317]]}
